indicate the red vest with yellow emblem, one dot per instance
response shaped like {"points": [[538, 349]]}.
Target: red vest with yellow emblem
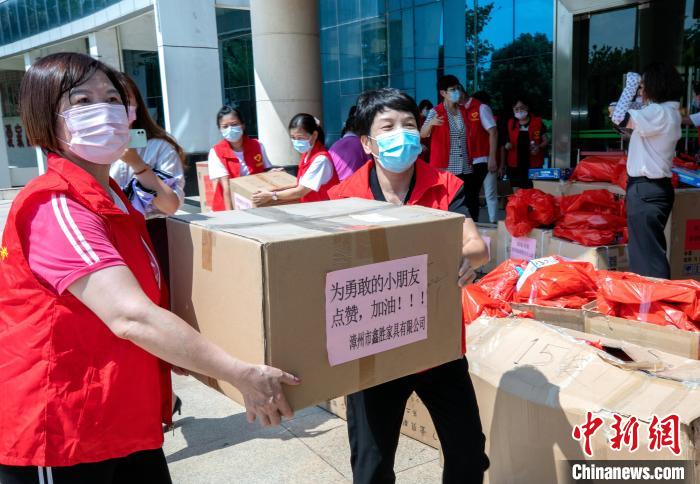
{"points": [[252, 157]]}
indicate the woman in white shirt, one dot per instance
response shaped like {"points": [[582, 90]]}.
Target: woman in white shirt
{"points": [[656, 129], [316, 173], [152, 177], [235, 155]]}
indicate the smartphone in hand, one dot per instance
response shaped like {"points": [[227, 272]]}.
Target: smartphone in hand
{"points": [[137, 138]]}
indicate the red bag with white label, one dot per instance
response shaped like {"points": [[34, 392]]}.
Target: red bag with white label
{"points": [[500, 282], [476, 303], [567, 284], [529, 209], [592, 218], [663, 302]]}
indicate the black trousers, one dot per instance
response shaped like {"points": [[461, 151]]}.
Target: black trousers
{"points": [[649, 204], [472, 188], [375, 416], [145, 466]]}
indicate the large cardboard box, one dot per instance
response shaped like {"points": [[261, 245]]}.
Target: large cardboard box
{"points": [[563, 317], [604, 257], [489, 232], [205, 186], [243, 188], [684, 230], [269, 286], [417, 423], [558, 188], [535, 383], [532, 246], [666, 338]]}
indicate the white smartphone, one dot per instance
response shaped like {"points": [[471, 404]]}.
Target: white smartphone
{"points": [[137, 138]]}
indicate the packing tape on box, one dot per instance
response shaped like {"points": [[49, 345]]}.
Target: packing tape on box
{"points": [[207, 249], [366, 371]]}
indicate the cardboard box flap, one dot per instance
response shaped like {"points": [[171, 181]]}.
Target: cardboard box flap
{"points": [[272, 180], [300, 221], [551, 366]]}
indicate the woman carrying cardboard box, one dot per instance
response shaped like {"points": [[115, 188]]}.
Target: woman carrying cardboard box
{"points": [[316, 173], [83, 336], [387, 122], [235, 155]]}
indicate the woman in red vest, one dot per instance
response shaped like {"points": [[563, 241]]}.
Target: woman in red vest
{"points": [[235, 155], [387, 125], [316, 173], [525, 146], [84, 336]]}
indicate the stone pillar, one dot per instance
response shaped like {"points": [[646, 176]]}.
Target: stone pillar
{"points": [[287, 63], [188, 53], [104, 46]]}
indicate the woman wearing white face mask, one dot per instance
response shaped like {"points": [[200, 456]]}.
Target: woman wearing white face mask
{"points": [[316, 173], [235, 155], [525, 146], [387, 125], [83, 336]]}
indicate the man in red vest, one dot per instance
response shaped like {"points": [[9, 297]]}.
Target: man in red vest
{"points": [[387, 125], [466, 145]]}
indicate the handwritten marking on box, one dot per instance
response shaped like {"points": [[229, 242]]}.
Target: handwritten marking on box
{"points": [[375, 308], [523, 248]]}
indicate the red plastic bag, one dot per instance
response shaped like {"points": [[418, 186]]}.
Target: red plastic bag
{"points": [[597, 201], [528, 209], [600, 169], [476, 303], [500, 282], [591, 237], [592, 220], [566, 284], [665, 302]]}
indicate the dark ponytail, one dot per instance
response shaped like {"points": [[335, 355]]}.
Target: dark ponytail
{"points": [[309, 124]]}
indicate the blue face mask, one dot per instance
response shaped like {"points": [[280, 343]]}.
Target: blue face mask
{"points": [[232, 133], [398, 150], [454, 95], [301, 145]]}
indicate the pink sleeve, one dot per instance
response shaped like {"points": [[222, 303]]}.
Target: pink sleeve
{"points": [[65, 241]]}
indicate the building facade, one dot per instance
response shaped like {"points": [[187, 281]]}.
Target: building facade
{"points": [[274, 58]]}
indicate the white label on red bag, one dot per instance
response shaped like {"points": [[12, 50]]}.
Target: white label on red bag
{"points": [[376, 307], [523, 248], [532, 267]]}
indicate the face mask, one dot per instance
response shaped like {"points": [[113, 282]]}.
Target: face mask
{"points": [[696, 103], [232, 133], [425, 112], [98, 132], [454, 96], [132, 114], [301, 145], [521, 114], [398, 150]]}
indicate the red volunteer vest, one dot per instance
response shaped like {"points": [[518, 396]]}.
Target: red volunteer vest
{"points": [[253, 159], [433, 189], [478, 141], [440, 138], [73, 391], [535, 134], [304, 165]]}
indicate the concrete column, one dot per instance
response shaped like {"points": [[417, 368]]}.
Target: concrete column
{"points": [[188, 53], [105, 46], [287, 62], [29, 58], [5, 181]]}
